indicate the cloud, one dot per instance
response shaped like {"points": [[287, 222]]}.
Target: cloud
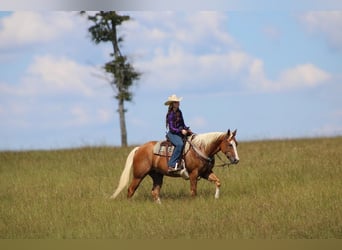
{"points": [[161, 30], [55, 91], [196, 52], [325, 23], [206, 25], [300, 76], [305, 75], [55, 74], [180, 70], [49, 75], [26, 28], [51, 89]]}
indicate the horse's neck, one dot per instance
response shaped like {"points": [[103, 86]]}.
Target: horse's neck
{"points": [[210, 142], [215, 146]]}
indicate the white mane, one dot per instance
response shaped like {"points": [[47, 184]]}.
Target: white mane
{"points": [[203, 140]]}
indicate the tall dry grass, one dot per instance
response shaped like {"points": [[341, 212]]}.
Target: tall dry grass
{"points": [[289, 189]]}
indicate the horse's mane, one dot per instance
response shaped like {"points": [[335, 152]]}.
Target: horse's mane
{"points": [[204, 140]]}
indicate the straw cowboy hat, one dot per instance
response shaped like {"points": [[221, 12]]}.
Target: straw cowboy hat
{"points": [[171, 99]]}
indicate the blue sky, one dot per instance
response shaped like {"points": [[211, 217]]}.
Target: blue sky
{"points": [[270, 74]]}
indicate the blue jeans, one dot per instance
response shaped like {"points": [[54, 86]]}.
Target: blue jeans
{"points": [[177, 141]]}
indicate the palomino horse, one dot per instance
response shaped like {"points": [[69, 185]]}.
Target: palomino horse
{"points": [[199, 160]]}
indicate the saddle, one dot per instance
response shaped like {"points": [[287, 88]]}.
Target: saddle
{"points": [[165, 148]]}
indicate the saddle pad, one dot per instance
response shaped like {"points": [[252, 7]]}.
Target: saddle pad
{"points": [[160, 149]]}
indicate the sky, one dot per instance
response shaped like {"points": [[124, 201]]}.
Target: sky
{"points": [[268, 74]]}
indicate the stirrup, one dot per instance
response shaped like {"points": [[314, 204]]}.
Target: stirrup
{"points": [[172, 170]]}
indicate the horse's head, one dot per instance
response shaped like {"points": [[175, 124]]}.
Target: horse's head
{"points": [[229, 147]]}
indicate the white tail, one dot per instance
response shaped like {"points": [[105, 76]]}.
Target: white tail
{"points": [[125, 173]]}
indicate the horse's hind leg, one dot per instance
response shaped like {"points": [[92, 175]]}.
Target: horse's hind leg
{"points": [[134, 185], [141, 167], [157, 184]]}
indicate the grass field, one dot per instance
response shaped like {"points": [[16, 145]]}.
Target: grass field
{"points": [[289, 189]]}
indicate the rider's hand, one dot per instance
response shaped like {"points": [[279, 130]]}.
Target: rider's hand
{"points": [[184, 132]]}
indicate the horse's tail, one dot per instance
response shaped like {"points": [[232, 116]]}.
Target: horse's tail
{"points": [[125, 173]]}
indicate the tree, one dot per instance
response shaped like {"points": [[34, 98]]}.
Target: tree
{"points": [[123, 74]]}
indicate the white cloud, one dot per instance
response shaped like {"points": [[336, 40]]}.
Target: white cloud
{"points": [[206, 25], [305, 75], [196, 50], [326, 23], [60, 75], [55, 89], [179, 69], [52, 91], [25, 28], [49, 75], [162, 30], [300, 76]]}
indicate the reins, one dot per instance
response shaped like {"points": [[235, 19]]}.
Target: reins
{"points": [[224, 163], [199, 152]]}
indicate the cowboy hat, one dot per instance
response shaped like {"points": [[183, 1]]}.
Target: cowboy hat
{"points": [[171, 99]]}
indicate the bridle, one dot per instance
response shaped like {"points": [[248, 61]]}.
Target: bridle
{"points": [[224, 163]]}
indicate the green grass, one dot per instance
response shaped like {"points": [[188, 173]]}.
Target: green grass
{"points": [[289, 189]]}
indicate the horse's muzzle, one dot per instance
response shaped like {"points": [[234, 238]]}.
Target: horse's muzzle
{"points": [[235, 161]]}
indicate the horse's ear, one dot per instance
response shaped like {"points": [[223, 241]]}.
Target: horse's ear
{"points": [[228, 132], [234, 132]]}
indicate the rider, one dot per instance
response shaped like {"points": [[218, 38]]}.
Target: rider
{"points": [[177, 130]]}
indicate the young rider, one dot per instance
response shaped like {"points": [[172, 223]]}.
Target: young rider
{"points": [[177, 130]]}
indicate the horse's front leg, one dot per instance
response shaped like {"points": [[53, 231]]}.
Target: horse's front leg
{"points": [[193, 176], [213, 178]]}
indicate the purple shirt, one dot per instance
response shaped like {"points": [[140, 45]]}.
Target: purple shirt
{"points": [[176, 122]]}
